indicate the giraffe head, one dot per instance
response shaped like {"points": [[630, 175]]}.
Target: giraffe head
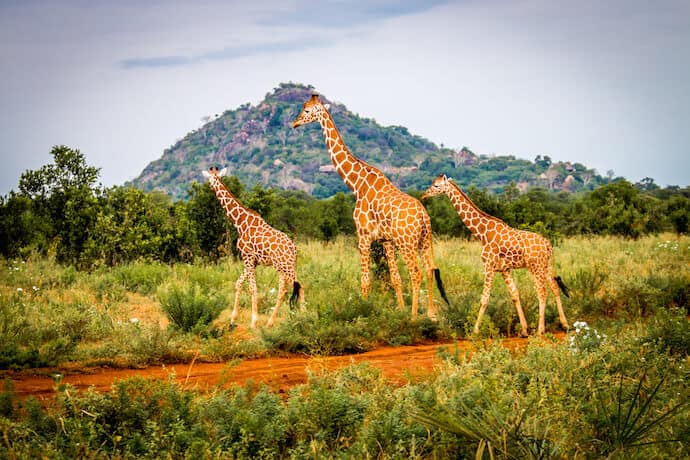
{"points": [[438, 187], [213, 171], [311, 111]]}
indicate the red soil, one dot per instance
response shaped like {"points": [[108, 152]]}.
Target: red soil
{"points": [[399, 364]]}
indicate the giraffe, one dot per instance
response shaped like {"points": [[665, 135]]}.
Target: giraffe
{"points": [[505, 248], [259, 244], [382, 213]]}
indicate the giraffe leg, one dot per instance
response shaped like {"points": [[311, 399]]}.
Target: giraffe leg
{"points": [[515, 295], [486, 293], [428, 261], [238, 292], [255, 303], [396, 281], [364, 245], [282, 289], [540, 286], [410, 257], [556, 292]]}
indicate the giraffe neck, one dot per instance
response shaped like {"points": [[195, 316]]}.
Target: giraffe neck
{"points": [[474, 218], [351, 169], [237, 213]]}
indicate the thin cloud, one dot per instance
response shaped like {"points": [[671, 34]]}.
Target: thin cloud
{"points": [[341, 14], [227, 53], [161, 61]]}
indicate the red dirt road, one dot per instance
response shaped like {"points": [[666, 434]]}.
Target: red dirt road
{"points": [[399, 364]]}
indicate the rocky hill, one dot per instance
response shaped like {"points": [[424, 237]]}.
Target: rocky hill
{"points": [[258, 145]]}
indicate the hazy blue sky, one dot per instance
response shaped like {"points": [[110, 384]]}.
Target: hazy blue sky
{"points": [[605, 83]]}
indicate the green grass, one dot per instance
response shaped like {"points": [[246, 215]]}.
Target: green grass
{"points": [[617, 387], [53, 314]]}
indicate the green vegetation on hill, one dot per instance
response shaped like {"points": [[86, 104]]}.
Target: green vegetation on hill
{"points": [[259, 146]]}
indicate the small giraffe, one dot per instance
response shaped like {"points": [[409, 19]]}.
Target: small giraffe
{"points": [[382, 213], [503, 249], [259, 244]]}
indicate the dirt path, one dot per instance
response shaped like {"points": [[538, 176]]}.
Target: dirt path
{"points": [[399, 364]]}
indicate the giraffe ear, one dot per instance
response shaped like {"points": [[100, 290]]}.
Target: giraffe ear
{"points": [[223, 172], [206, 174], [327, 106]]}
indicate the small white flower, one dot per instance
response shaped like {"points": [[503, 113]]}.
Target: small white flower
{"points": [[134, 320], [20, 290], [35, 288]]}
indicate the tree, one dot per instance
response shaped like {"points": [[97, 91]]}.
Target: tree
{"points": [[69, 172], [647, 184], [21, 230], [619, 208], [208, 226], [65, 197], [132, 225], [678, 212]]}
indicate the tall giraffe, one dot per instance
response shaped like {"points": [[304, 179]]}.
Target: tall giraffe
{"points": [[382, 213], [259, 244], [505, 248]]}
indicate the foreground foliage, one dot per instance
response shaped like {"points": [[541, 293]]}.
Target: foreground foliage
{"points": [[626, 397]]}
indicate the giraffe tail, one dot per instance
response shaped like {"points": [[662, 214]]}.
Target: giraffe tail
{"points": [[439, 284], [295, 294], [561, 284]]}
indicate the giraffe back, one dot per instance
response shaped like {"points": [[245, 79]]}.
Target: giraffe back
{"points": [[507, 248], [389, 214], [264, 245]]}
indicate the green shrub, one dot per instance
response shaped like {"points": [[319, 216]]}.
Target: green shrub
{"points": [[354, 326], [7, 396], [323, 416], [628, 415], [29, 339], [245, 423], [141, 277], [669, 331], [188, 308]]}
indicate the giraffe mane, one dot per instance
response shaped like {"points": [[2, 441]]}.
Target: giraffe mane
{"points": [[481, 211]]}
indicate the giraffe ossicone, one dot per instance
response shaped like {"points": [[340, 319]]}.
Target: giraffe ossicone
{"points": [[382, 213], [259, 244], [503, 249]]}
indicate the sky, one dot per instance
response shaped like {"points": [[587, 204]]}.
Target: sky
{"points": [[603, 83]]}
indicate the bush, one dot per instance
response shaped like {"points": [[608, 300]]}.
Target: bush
{"points": [[669, 332], [351, 327], [188, 308], [246, 423]]}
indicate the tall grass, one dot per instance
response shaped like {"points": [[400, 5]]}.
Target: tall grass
{"points": [[52, 314]]}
